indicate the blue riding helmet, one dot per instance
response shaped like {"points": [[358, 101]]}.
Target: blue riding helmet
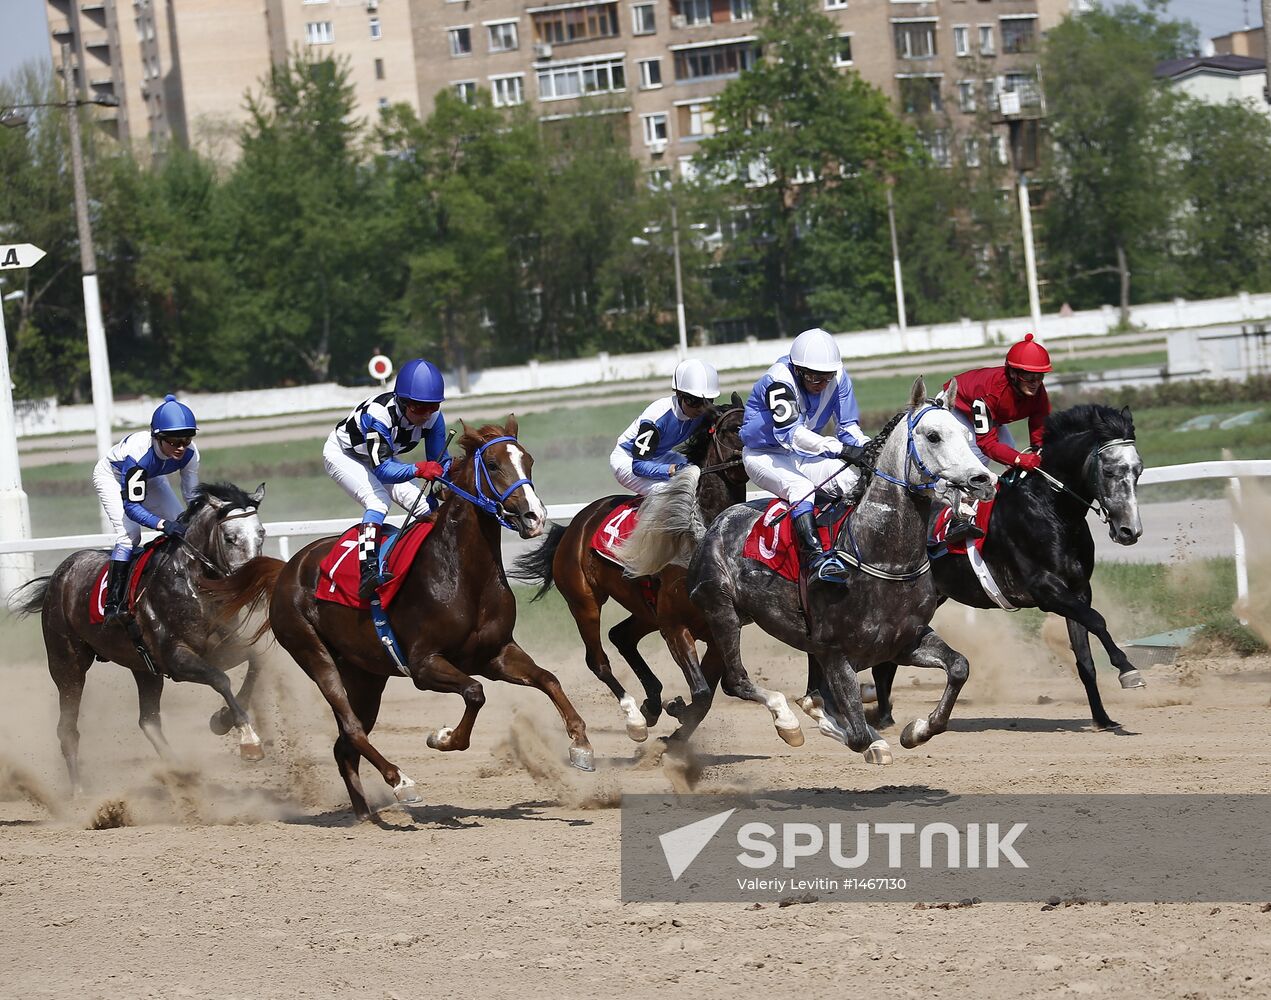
{"points": [[173, 417], [420, 381]]}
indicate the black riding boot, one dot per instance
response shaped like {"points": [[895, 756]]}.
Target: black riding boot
{"points": [[961, 528], [368, 557], [816, 563], [116, 590]]}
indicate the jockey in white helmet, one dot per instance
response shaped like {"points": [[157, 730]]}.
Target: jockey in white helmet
{"points": [[785, 451], [645, 454]]}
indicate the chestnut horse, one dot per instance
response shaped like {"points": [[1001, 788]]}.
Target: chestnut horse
{"points": [[453, 617], [586, 580]]}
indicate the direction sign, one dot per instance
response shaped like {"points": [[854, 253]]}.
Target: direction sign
{"points": [[380, 367], [15, 255]]}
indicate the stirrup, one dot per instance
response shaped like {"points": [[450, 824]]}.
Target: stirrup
{"points": [[830, 568], [369, 585], [960, 529]]}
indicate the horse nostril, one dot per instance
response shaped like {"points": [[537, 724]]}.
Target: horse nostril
{"points": [[980, 479]]}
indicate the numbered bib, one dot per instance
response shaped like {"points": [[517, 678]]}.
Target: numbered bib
{"points": [[780, 402], [645, 443]]}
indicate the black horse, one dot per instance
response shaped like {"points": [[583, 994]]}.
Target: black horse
{"points": [[1039, 549]]}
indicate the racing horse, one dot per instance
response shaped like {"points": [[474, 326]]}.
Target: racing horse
{"points": [[587, 580], [453, 617], [180, 619], [884, 609], [1039, 549]]}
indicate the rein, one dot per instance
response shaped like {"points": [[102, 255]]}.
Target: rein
{"points": [[1088, 470], [483, 502], [728, 463], [198, 554]]}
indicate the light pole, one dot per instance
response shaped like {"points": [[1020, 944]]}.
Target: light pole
{"points": [[679, 280], [1030, 261], [895, 262]]}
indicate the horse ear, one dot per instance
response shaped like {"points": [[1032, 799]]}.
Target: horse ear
{"points": [[258, 495], [950, 394], [918, 393], [737, 400], [511, 425]]}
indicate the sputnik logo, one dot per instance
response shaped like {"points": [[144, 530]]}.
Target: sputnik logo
{"points": [[682, 845]]}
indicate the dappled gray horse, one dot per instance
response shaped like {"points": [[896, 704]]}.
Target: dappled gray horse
{"points": [[177, 614], [882, 612]]}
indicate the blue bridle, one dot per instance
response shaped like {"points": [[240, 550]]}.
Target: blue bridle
{"points": [[913, 458], [483, 499]]}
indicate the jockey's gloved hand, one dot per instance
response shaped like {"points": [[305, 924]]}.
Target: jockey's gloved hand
{"points": [[1027, 460], [172, 528], [429, 470], [853, 454]]}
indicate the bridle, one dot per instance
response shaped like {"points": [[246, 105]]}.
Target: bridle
{"points": [[214, 569], [1089, 478], [912, 458], [487, 499], [714, 449]]}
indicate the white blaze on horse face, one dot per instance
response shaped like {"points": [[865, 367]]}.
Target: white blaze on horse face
{"points": [[517, 457], [242, 537], [1119, 469]]}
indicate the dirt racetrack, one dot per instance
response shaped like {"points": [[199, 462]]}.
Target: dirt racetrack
{"points": [[238, 881]]}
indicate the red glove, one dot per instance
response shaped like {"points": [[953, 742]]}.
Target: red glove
{"points": [[429, 470], [1028, 460]]}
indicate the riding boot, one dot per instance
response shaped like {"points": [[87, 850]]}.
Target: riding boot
{"points": [[962, 527], [815, 562], [368, 557], [116, 590]]}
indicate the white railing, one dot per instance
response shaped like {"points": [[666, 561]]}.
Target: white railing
{"points": [[284, 531]]}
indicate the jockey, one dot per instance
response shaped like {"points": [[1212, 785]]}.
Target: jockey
{"points": [[361, 455], [786, 452], [644, 455], [991, 398], [131, 484]]}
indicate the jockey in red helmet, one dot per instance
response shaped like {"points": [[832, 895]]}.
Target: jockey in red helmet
{"points": [[991, 398]]}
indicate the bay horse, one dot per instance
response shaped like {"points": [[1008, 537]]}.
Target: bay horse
{"points": [[881, 613], [453, 617], [1039, 548], [587, 580], [179, 616]]}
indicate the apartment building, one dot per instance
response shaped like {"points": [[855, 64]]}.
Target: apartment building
{"points": [[661, 63], [180, 68]]}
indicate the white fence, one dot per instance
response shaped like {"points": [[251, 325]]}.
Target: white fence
{"points": [[283, 532]]}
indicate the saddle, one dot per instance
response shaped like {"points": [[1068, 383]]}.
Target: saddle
{"points": [[771, 541], [339, 575], [140, 563]]}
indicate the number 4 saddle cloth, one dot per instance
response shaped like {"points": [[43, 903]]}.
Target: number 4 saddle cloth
{"points": [[616, 528], [340, 574], [771, 541]]}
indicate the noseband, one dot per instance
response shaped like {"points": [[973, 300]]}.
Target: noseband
{"points": [[912, 458], [487, 499], [721, 464], [1089, 478], [211, 566]]}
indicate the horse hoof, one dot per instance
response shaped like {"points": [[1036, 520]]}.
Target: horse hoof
{"points": [[631, 715], [221, 722], [869, 694], [793, 737], [915, 734], [878, 752], [1133, 679], [440, 740], [407, 792], [638, 734], [251, 752], [674, 708], [583, 758]]}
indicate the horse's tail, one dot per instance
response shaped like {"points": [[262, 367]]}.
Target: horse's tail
{"points": [[244, 590], [669, 529], [30, 597], [536, 565]]}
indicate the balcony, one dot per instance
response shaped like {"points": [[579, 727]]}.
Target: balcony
{"points": [[96, 40]]}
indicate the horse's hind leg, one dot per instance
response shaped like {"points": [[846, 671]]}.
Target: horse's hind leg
{"points": [[932, 651], [884, 678], [149, 693], [364, 693], [515, 666], [586, 611], [68, 666], [842, 693], [626, 636], [702, 676]]}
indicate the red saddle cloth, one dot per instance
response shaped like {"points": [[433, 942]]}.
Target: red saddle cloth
{"points": [[773, 545], [615, 528], [340, 574], [97, 602], [983, 511]]}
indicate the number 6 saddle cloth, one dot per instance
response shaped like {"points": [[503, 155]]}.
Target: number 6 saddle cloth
{"points": [[772, 545], [340, 573], [97, 600]]}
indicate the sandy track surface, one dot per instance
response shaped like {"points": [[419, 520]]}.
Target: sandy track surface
{"points": [[254, 881]]}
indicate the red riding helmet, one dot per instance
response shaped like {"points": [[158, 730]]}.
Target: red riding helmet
{"points": [[1028, 355]]}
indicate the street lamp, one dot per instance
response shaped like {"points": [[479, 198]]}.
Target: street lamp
{"points": [[679, 278]]}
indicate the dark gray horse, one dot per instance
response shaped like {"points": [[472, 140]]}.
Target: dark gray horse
{"points": [[177, 618], [883, 611]]}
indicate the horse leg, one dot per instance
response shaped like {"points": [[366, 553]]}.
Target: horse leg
{"points": [[586, 612], [149, 693], [222, 721], [68, 666], [185, 665], [884, 677], [1078, 610], [813, 703], [436, 673], [1079, 639], [514, 665], [726, 638], [842, 696], [701, 692], [364, 694], [932, 651], [626, 636]]}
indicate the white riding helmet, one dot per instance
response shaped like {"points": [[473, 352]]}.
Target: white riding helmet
{"points": [[816, 351], [696, 378]]}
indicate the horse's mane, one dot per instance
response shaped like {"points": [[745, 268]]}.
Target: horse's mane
{"points": [[872, 450], [1071, 433], [696, 447], [225, 492]]}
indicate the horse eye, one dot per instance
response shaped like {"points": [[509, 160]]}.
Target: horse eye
{"points": [[933, 437]]}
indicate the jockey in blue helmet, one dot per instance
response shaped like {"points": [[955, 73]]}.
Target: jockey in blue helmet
{"points": [[361, 455], [132, 485]]}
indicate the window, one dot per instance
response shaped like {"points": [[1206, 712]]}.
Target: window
{"points": [[961, 40], [696, 11], [990, 94], [915, 39], [920, 95], [835, 4], [319, 33], [704, 62], [997, 143], [502, 36], [843, 54], [466, 91], [966, 96], [657, 128], [602, 76], [650, 73], [971, 152], [696, 119], [576, 24], [507, 90], [1024, 84], [988, 46], [1018, 34], [379, 69], [382, 103], [376, 30], [460, 41], [937, 144], [742, 10], [642, 19]]}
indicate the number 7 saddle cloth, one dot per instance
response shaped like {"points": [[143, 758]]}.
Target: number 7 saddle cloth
{"points": [[340, 573]]}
